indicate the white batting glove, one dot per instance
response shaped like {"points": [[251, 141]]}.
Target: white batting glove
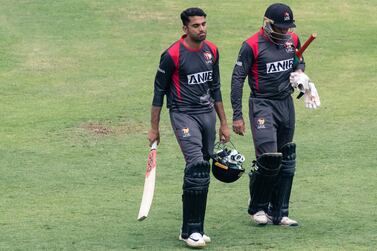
{"points": [[300, 81], [311, 97]]}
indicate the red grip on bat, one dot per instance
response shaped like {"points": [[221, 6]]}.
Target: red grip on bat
{"points": [[306, 44]]}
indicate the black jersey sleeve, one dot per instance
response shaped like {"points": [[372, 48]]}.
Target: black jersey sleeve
{"points": [[240, 71], [163, 79], [215, 90]]}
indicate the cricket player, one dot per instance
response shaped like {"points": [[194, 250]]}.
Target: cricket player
{"points": [[267, 58], [188, 75]]}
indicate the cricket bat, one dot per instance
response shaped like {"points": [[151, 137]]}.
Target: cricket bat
{"points": [[149, 183], [305, 45], [301, 51]]}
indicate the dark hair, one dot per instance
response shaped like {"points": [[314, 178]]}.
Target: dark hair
{"points": [[190, 12]]}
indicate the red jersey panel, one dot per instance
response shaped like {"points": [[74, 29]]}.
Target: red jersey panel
{"points": [[267, 66], [189, 78]]}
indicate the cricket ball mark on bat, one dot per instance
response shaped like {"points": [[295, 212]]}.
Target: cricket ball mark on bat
{"points": [[149, 184], [151, 163], [306, 44]]}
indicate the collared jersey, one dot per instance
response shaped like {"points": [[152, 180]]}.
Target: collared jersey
{"points": [[189, 78], [268, 67]]}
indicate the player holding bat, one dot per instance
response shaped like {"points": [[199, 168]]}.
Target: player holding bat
{"points": [[189, 77], [268, 59]]}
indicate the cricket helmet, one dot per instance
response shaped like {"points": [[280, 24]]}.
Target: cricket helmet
{"points": [[227, 162], [280, 16]]}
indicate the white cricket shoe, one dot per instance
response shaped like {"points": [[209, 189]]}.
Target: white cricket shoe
{"points": [[195, 240], [285, 221], [260, 218], [206, 238]]}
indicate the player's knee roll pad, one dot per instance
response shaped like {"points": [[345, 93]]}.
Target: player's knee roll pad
{"points": [[268, 164], [288, 163], [196, 176], [289, 150]]}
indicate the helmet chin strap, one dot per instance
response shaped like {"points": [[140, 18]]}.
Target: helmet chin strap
{"points": [[275, 37]]}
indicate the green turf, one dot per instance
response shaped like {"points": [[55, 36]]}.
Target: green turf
{"points": [[76, 88]]}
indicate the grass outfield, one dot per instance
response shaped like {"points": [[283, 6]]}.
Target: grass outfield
{"points": [[76, 88]]}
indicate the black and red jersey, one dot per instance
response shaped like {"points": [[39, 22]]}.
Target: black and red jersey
{"points": [[268, 67], [189, 78]]}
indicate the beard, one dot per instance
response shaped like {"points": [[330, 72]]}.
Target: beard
{"points": [[200, 37]]}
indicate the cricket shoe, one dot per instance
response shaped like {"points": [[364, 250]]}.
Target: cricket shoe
{"points": [[260, 218], [195, 240], [285, 221], [206, 238]]}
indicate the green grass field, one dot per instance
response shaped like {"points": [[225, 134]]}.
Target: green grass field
{"points": [[76, 88]]}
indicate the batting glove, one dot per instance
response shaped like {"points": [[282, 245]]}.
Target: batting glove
{"points": [[300, 81], [311, 97]]}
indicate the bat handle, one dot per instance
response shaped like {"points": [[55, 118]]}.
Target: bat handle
{"points": [[305, 45], [154, 145]]}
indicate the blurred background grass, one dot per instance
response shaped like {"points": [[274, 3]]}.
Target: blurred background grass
{"points": [[77, 81]]}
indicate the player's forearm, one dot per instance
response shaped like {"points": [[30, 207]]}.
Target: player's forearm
{"points": [[238, 80], [236, 99], [300, 66], [219, 107], [237, 107], [215, 85], [216, 95], [155, 117]]}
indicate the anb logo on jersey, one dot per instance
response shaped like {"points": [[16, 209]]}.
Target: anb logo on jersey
{"points": [[279, 66], [199, 78], [289, 47], [208, 57]]}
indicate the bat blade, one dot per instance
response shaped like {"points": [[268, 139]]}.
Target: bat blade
{"points": [[149, 184]]}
